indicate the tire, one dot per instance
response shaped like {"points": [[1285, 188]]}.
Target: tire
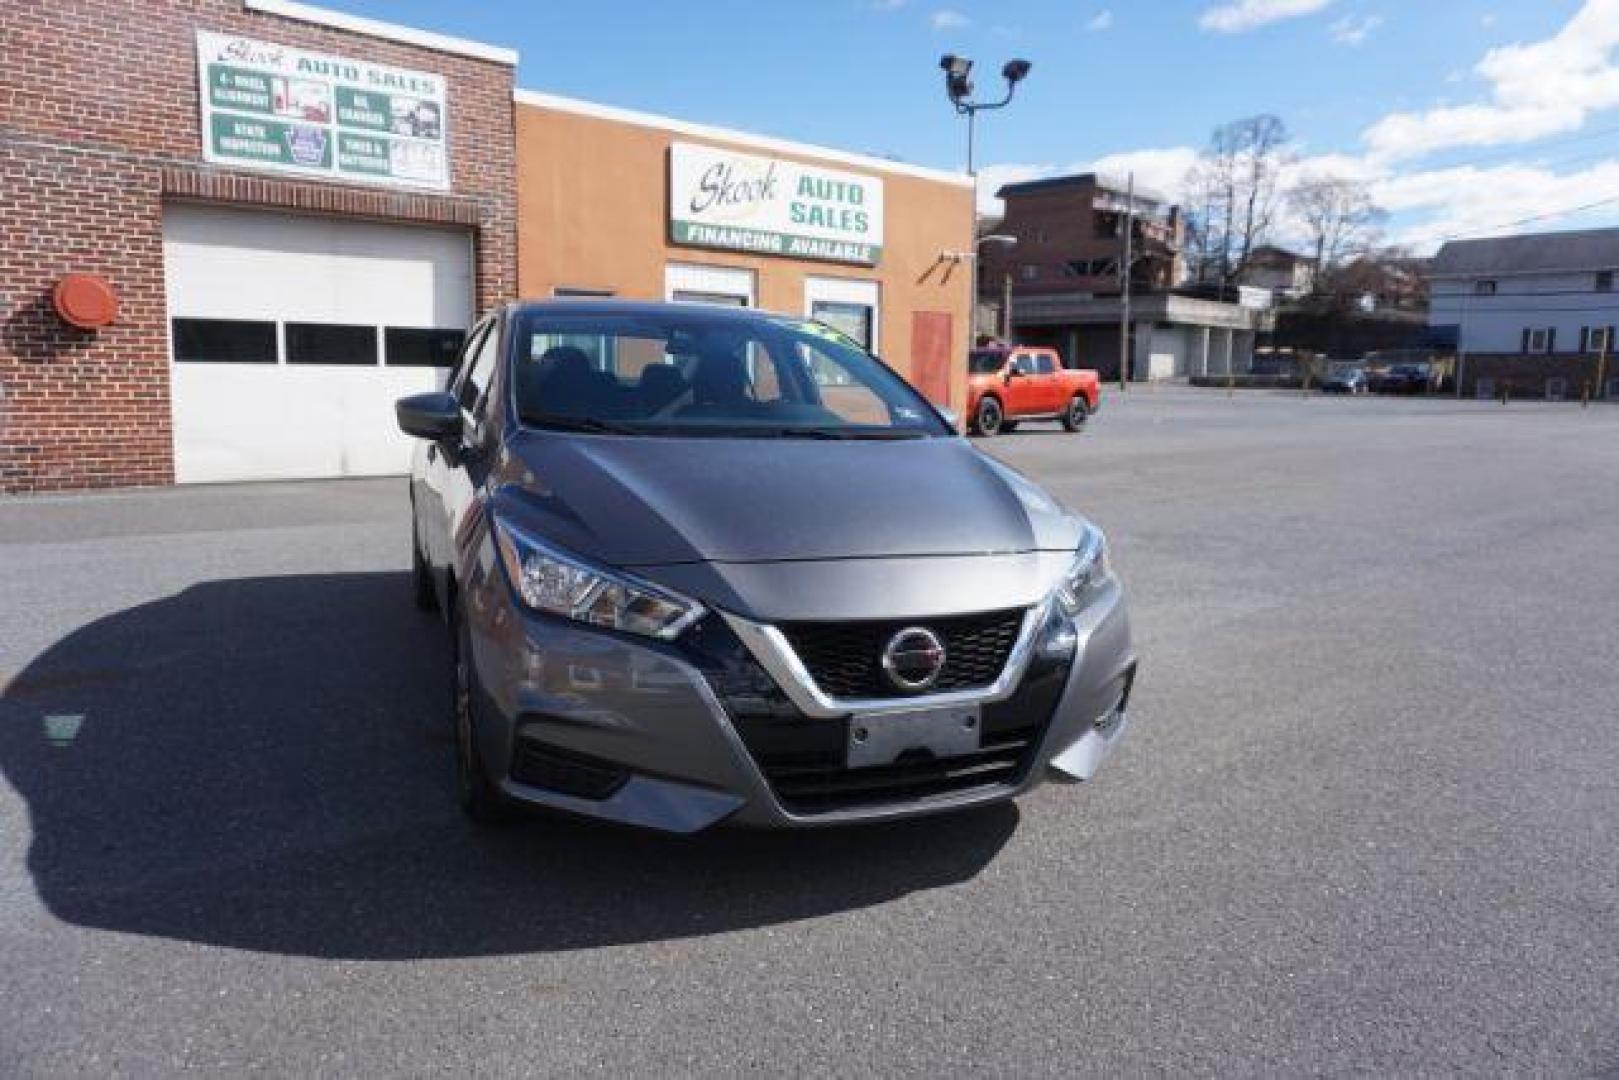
{"points": [[1009, 426], [1079, 410], [421, 578], [480, 799], [988, 417]]}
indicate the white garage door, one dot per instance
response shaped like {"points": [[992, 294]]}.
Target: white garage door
{"points": [[291, 336]]}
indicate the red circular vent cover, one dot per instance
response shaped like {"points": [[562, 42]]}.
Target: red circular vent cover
{"points": [[85, 301]]}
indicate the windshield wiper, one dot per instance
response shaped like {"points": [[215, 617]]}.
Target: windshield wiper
{"points": [[560, 422]]}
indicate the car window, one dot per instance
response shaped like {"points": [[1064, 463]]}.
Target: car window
{"points": [[686, 373], [458, 370], [1024, 363], [482, 364], [1043, 363]]}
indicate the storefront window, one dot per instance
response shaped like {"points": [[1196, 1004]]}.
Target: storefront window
{"points": [[696, 296], [852, 320]]}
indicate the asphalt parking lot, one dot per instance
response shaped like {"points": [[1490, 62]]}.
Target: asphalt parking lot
{"points": [[1366, 820]]}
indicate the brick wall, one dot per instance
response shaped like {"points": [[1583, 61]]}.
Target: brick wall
{"points": [[98, 127], [1526, 376]]}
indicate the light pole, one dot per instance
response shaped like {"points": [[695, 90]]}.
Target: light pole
{"points": [[958, 86]]}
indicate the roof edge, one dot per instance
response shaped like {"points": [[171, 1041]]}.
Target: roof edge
{"points": [[539, 99], [407, 35]]}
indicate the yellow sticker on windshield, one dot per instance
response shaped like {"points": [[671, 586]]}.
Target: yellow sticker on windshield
{"points": [[821, 330]]}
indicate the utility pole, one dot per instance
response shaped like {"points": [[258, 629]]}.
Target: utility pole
{"points": [[1602, 364], [1124, 273], [1006, 308]]}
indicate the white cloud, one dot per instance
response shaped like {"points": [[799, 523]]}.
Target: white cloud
{"points": [[1102, 20], [1539, 89], [1473, 201], [947, 19], [1161, 170], [1352, 30], [1238, 16]]}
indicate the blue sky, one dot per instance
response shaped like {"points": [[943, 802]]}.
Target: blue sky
{"points": [[1467, 116]]}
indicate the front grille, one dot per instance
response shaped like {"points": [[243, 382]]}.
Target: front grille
{"points": [[804, 759], [811, 783], [845, 658], [565, 771]]}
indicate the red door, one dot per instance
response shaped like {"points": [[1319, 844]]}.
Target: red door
{"points": [[930, 355]]}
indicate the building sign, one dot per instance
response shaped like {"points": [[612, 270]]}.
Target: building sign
{"points": [[737, 202], [272, 107]]}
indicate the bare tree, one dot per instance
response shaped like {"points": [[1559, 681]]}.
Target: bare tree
{"points": [[1232, 192], [1339, 218]]}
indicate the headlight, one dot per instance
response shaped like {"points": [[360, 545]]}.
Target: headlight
{"points": [[551, 580], [1087, 575]]}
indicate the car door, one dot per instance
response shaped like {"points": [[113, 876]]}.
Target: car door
{"points": [[450, 467], [431, 467], [466, 472], [1050, 383], [1023, 391]]}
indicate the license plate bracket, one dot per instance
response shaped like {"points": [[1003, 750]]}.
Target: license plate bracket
{"points": [[880, 738]]}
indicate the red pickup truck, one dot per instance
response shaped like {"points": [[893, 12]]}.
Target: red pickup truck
{"points": [[1010, 384]]}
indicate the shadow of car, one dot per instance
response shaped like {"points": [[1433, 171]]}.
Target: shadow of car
{"points": [[264, 763]]}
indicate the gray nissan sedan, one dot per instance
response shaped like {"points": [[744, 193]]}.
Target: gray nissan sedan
{"points": [[704, 565]]}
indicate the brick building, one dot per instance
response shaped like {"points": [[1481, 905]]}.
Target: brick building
{"points": [[299, 212], [102, 173], [1065, 286]]}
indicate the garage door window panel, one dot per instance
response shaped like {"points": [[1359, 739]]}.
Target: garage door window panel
{"points": [[331, 343], [224, 341], [409, 346]]}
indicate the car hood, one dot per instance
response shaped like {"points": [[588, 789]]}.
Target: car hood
{"points": [[661, 501]]}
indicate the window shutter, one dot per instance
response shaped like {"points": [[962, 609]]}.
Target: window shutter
{"points": [[1585, 339], [1525, 346], [1551, 340]]}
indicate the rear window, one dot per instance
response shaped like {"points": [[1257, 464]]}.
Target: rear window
{"points": [[985, 361]]}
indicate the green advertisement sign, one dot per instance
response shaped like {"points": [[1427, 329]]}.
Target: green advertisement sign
{"points": [[268, 106]]}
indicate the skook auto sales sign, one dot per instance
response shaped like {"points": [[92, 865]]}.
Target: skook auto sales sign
{"points": [[268, 106], [738, 202]]}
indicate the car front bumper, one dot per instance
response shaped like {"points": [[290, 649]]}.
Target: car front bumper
{"points": [[613, 727]]}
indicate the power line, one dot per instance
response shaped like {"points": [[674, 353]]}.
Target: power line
{"points": [[1504, 155], [1487, 230]]}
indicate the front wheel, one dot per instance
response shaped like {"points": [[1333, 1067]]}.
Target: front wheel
{"points": [[1078, 412], [988, 417], [480, 799]]}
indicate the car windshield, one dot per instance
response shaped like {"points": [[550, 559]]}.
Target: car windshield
{"points": [[985, 361], [696, 373]]}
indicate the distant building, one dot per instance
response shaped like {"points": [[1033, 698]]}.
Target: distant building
{"points": [[1537, 312], [1064, 280], [1282, 272]]}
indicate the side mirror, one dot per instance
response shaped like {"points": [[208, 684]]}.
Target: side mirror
{"points": [[435, 415], [1013, 373]]}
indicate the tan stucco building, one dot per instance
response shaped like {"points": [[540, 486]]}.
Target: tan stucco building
{"points": [[612, 202]]}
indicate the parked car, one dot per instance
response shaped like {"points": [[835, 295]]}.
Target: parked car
{"points": [[1010, 384], [1350, 380], [704, 565], [1402, 379]]}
